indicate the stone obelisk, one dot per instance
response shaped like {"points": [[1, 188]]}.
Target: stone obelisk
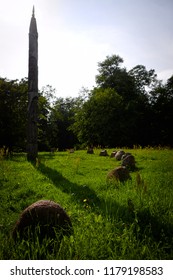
{"points": [[32, 146]]}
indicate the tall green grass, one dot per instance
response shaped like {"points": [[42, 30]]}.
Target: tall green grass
{"points": [[131, 220]]}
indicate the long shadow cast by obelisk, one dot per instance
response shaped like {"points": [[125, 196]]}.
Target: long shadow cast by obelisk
{"points": [[109, 208]]}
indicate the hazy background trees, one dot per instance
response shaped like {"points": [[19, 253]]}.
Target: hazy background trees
{"points": [[125, 108]]}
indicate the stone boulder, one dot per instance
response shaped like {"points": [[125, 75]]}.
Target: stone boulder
{"points": [[129, 162], [103, 153], [90, 151], [125, 155], [119, 155], [120, 173], [42, 218], [113, 154]]}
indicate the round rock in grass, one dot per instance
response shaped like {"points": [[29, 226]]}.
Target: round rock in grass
{"points": [[90, 151], [129, 162], [103, 153], [42, 218], [113, 154], [120, 173], [125, 155], [119, 155]]}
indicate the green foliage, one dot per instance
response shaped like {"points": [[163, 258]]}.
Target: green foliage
{"points": [[139, 112], [99, 120], [111, 75], [125, 108], [131, 220], [162, 107], [13, 104], [108, 69], [143, 79], [60, 119]]}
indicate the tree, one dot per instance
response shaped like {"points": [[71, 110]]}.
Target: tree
{"points": [[134, 87], [13, 108], [60, 120], [108, 70], [161, 101], [144, 80], [112, 75], [45, 105], [13, 114], [99, 120]]}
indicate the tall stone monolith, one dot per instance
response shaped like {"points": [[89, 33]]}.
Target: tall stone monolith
{"points": [[32, 146]]}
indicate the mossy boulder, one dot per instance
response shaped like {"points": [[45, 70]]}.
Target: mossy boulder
{"points": [[129, 162], [103, 153], [113, 154], [120, 173], [125, 155], [44, 218], [90, 151], [119, 155]]}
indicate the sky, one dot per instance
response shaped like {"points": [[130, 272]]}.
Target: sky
{"points": [[74, 35]]}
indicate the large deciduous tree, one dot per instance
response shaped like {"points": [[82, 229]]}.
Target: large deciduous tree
{"points": [[13, 107], [120, 111], [99, 120], [161, 100], [47, 97], [112, 75], [60, 119]]}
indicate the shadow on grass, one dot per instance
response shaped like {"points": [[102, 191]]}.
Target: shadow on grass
{"points": [[16, 157], [78, 193], [85, 196], [157, 230], [46, 155], [149, 225]]}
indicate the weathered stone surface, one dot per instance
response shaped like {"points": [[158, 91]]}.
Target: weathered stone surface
{"points": [[32, 130], [125, 155], [129, 161], [120, 173], [90, 151], [103, 153], [119, 155], [44, 215], [113, 154]]}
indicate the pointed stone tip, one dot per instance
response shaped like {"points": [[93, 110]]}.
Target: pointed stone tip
{"points": [[33, 24], [33, 12]]}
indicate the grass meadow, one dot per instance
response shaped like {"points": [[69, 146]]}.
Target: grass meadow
{"points": [[111, 220]]}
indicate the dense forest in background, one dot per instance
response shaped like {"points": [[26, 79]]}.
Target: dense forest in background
{"points": [[125, 108]]}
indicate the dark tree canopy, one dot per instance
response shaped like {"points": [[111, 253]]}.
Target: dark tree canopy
{"points": [[145, 107], [112, 75], [125, 108], [13, 107]]}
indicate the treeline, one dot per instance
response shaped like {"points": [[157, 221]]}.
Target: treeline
{"points": [[126, 108]]}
